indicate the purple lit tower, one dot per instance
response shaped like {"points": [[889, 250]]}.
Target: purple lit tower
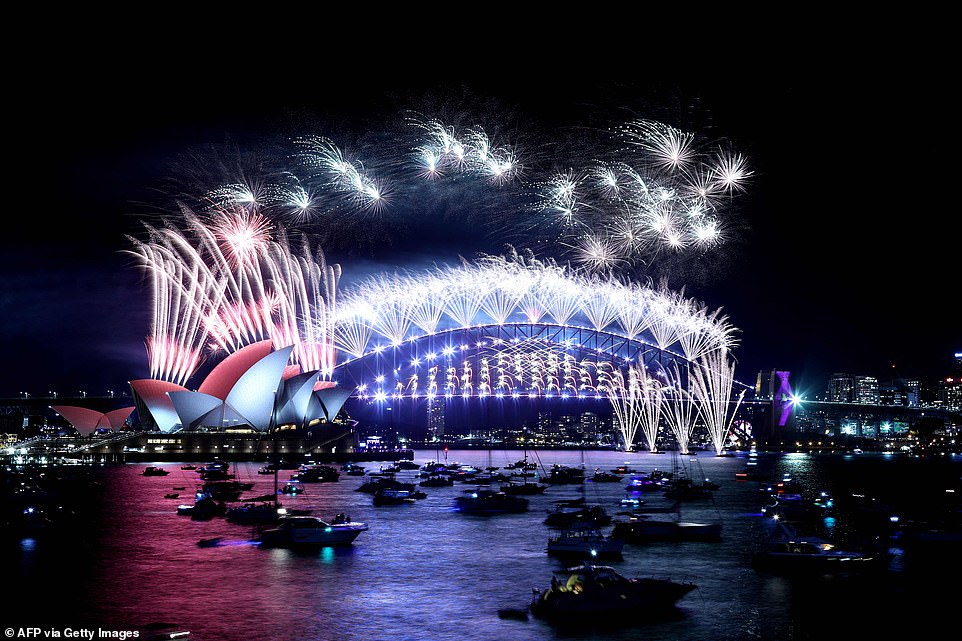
{"points": [[782, 401]]}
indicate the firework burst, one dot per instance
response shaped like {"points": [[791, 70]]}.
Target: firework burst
{"points": [[639, 198]]}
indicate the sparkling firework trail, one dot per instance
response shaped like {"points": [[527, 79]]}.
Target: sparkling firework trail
{"points": [[223, 282], [593, 216], [639, 199], [712, 383], [391, 309]]}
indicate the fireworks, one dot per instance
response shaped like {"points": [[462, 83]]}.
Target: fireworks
{"points": [[225, 282], [389, 310], [638, 199], [636, 397], [592, 220], [712, 382]]}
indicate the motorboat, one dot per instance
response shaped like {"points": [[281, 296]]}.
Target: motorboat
{"points": [[153, 470], [621, 470], [310, 531], [565, 516], [600, 476], [255, 513], [598, 590], [654, 481], [353, 469], [642, 529], [565, 475], [375, 484], [638, 505], [793, 508], [227, 490], [488, 502], [523, 488], [685, 489], [204, 507], [392, 496], [787, 552], [584, 541], [437, 480], [292, 488], [210, 542], [316, 474]]}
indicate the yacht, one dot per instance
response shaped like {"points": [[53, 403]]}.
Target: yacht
{"points": [[488, 502], [787, 552], [310, 531], [598, 590], [585, 541]]}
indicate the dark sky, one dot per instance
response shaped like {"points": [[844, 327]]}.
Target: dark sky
{"points": [[846, 260]]}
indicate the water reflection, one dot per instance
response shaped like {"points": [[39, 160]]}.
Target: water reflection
{"points": [[430, 573]]}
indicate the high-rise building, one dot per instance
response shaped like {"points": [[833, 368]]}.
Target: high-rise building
{"points": [[951, 393], [765, 385], [436, 419], [911, 387], [841, 388], [866, 390]]}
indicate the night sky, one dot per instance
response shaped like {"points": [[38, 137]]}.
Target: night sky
{"points": [[845, 260]]}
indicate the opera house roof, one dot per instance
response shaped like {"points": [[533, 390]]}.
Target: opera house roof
{"points": [[253, 387]]}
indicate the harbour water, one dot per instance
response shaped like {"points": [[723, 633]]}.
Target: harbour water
{"points": [[425, 572]]}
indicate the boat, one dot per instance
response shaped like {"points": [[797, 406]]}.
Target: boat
{"points": [[488, 502], [566, 515], [787, 552], [378, 483], [310, 531], [682, 485], [153, 470], [437, 480], [565, 475], [685, 489], [524, 488], [600, 476], [638, 505], [217, 465], [584, 540], [292, 488], [189, 467], [590, 590], [392, 496], [642, 529], [644, 482], [211, 542], [274, 466], [227, 490], [353, 469], [316, 474], [796, 508], [204, 507], [255, 513]]}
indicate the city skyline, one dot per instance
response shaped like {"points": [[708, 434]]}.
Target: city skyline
{"points": [[815, 278]]}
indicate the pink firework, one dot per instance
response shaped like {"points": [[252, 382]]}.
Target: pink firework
{"points": [[242, 232]]}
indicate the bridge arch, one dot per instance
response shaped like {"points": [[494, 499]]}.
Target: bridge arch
{"points": [[510, 359]]}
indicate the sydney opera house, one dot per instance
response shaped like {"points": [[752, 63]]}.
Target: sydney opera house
{"points": [[252, 404]]}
